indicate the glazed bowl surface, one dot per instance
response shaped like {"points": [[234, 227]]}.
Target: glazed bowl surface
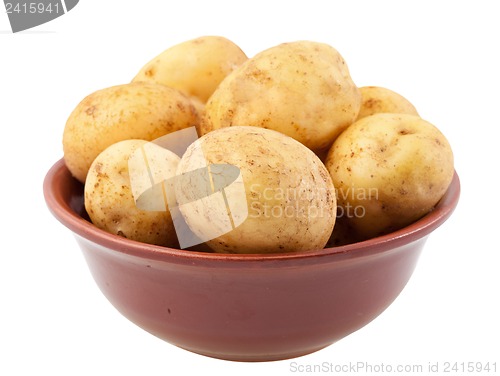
{"points": [[250, 307]]}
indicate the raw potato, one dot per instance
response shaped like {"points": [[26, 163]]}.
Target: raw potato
{"points": [[389, 170], [109, 198], [302, 89], [342, 233], [195, 67], [290, 199], [133, 111], [255, 182], [378, 99]]}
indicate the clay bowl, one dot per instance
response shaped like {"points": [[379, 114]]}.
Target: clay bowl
{"points": [[245, 307]]}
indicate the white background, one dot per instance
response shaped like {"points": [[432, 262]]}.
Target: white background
{"points": [[443, 56]]}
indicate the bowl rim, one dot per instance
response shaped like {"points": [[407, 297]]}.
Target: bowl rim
{"points": [[63, 212]]}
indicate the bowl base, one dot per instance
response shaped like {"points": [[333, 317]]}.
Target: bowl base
{"points": [[256, 357]]}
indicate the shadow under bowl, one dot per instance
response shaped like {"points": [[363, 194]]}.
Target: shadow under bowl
{"points": [[249, 307]]}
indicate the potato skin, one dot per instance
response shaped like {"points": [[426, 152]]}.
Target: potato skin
{"points": [[302, 89], [289, 195], [376, 99], [389, 170], [132, 111], [195, 67], [110, 203]]}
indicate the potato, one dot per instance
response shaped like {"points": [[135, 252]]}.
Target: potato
{"points": [[302, 89], [132, 111], [200, 109], [389, 170], [342, 233], [109, 195], [282, 201], [195, 67], [376, 99]]}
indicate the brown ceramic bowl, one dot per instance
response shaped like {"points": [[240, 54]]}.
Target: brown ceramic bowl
{"points": [[245, 307]]}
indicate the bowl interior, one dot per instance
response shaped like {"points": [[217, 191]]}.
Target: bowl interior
{"points": [[64, 198]]}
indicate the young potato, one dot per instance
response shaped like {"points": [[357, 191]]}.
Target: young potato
{"points": [[302, 89], [389, 170], [282, 201], [342, 233], [195, 67], [376, 99], [109, 196], [133, 111]]}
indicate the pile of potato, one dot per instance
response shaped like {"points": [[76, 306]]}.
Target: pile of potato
{"points": [[322, 162]]}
